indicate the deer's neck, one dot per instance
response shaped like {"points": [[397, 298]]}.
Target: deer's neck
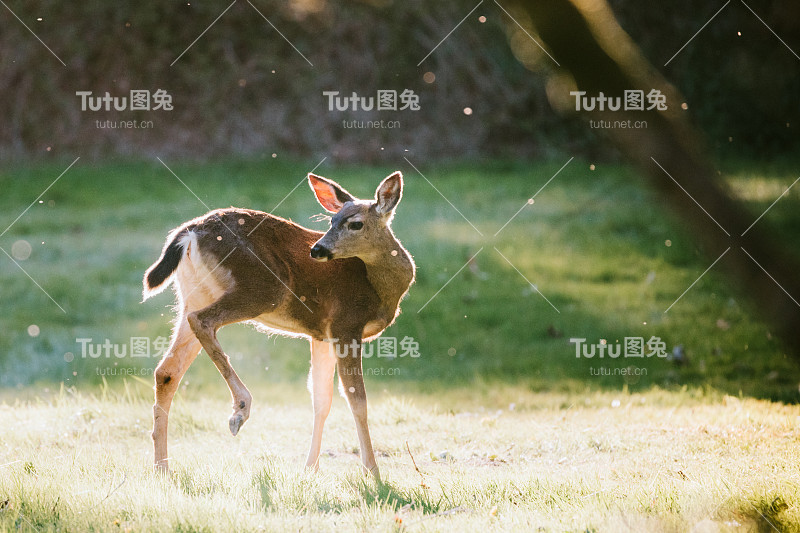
{"points": [[390, 274]]}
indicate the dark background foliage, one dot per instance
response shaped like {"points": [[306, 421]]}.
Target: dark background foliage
{"points": [[740, 82]]}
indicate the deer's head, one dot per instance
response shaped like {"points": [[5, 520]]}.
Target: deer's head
{"points": [[359, 228]]}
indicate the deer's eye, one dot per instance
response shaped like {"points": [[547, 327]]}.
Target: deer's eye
{"points": [[355, 226]]}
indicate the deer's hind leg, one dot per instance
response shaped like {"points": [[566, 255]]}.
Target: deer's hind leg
{"points": [[232, 307], [183, 350]]}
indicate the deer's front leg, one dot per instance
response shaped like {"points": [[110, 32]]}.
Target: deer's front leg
{"points": [[352, 381], [320, 385]]}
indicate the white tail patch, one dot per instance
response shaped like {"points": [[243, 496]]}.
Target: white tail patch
{"points": [[202, 280]]}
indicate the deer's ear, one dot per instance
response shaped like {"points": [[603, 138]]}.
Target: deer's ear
{"points": [[389, 193], [329, 194]]}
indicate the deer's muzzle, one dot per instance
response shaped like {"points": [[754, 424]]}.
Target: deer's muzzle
{"points": [[320, 253]]}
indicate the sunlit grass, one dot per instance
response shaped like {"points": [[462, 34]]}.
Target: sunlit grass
{"points": [[588, 461]]}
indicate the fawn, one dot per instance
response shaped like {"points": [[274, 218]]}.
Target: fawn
{"points": [[336, 289]]}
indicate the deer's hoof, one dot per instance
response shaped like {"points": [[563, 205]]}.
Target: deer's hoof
{"points": [[235, 423]]}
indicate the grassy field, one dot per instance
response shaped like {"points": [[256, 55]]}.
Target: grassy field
{"points": [[509, 428], [488, 460]]}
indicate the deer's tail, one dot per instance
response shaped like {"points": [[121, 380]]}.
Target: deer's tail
{"points": [[160, 273]]}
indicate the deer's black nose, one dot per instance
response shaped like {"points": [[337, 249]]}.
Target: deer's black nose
{"points": [[320, 253]]}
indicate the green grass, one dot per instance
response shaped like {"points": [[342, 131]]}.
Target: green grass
{"points": [[710, 442], [594, 243]]}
